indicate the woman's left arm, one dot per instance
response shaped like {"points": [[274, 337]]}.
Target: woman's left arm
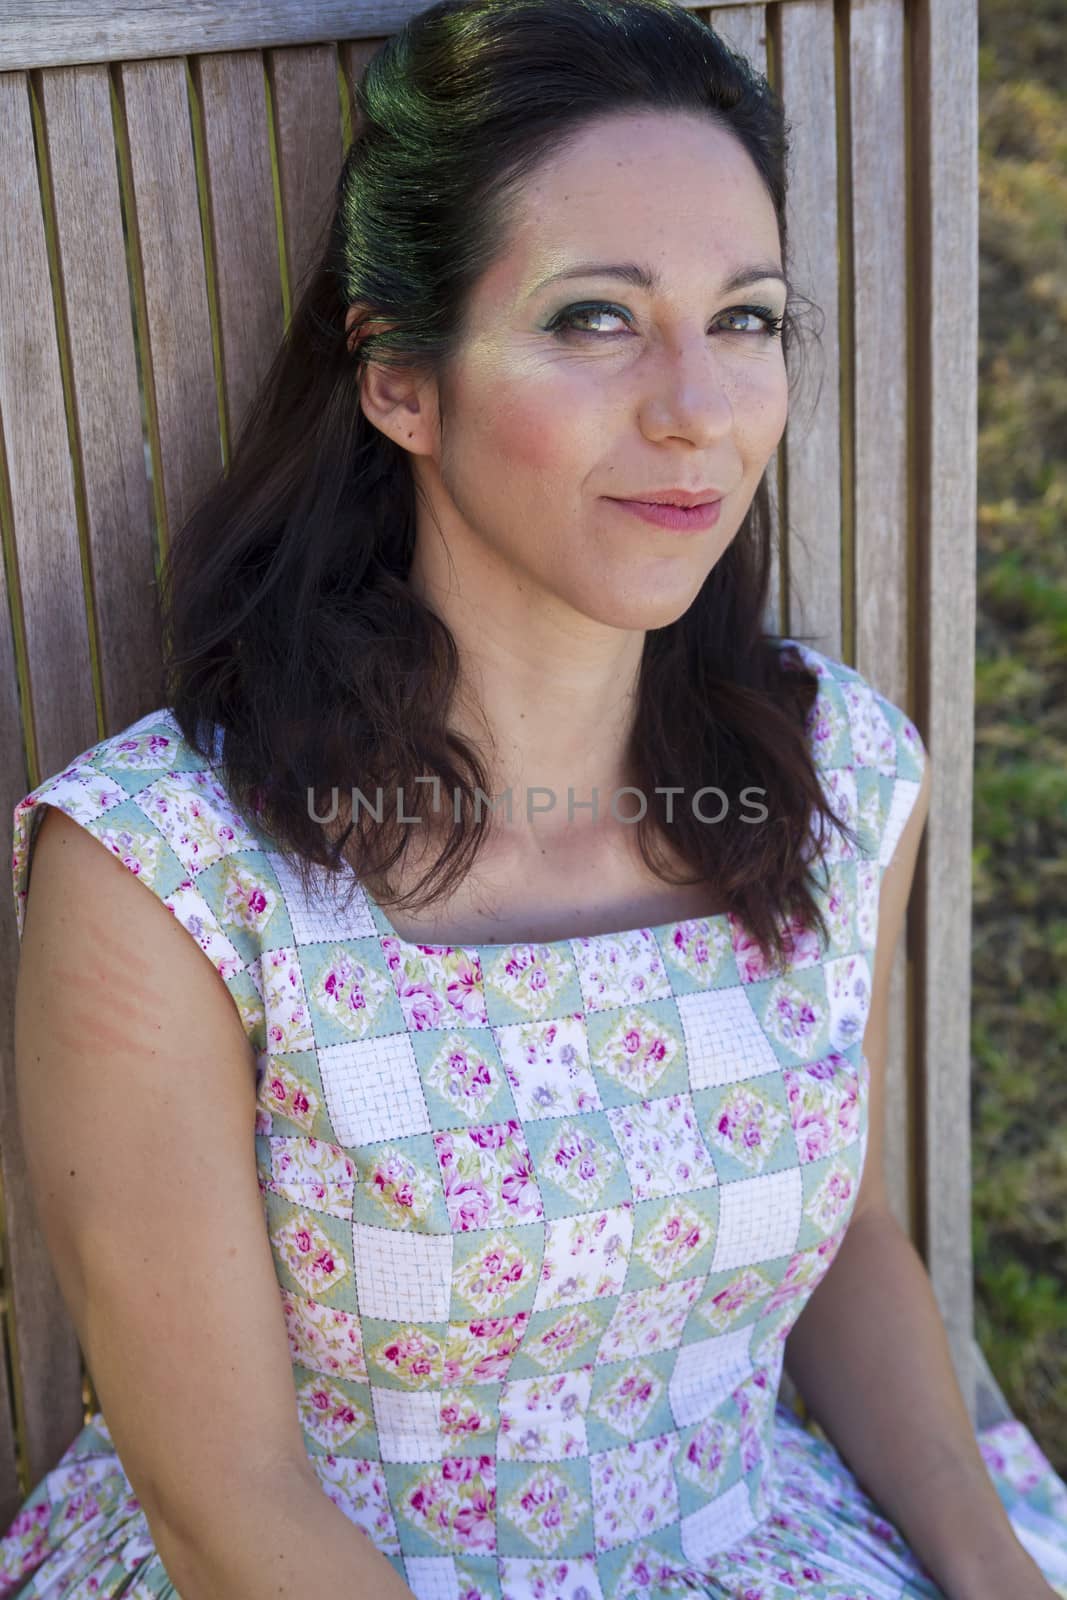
{"points": [[871, 1358]]}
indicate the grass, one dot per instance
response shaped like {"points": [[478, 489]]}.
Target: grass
{"points": [[1019, 971]]}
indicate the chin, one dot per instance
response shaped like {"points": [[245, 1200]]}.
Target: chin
{"points": [[638, 613]]}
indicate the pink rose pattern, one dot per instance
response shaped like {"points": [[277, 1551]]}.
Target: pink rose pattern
{"points": [[824, 1104], [488, 1176], [454, 1504], [500, 1397], [399, 1186]]}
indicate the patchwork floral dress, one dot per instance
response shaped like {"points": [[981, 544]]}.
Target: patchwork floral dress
{"points": [[542, 1216]]}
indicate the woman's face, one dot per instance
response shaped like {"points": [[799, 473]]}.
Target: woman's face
{"points": [[678, 386]]}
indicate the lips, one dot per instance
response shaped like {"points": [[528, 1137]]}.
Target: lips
{"points": [[682, 518], [674, 497]]}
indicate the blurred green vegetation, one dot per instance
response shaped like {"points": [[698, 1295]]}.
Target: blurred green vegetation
{"points": [[1019, 1019]]}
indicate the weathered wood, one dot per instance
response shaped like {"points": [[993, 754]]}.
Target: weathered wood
{"points": [[50, 671], [306, 93], [354, 54], [944, 169], [19, 1253], [45, 1355], [80, 145], [880, 596], [812, 444], [243, 230], [58, 720], [50, 592], [53, 33], [176, 338], [991, 1406], [744, 29]]}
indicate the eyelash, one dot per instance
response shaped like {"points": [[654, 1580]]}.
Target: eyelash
{"points": [[563, 321]]}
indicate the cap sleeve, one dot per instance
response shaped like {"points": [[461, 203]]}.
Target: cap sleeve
{"points": [[152, 800], [869, 754]]}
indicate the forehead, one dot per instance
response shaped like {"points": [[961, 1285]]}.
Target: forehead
{"points": [[675, 189]]}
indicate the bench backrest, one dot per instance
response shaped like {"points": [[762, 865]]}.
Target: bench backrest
{"points": [[166, 178]]}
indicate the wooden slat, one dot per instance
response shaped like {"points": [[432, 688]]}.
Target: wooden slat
{"points": [[812, 443], [880, 599], [944, 162], [50, 589], [307, 124], [991, 1406], [59, 708], [880, 343], [744, 29], [176, 345], [52, 33], [776, 613], [244, 235], [60, 719], [76, 106], [14, 783], [354, 54], [45, 1355]]}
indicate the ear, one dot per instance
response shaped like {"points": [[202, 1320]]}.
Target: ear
{"points": [[398, 403]]}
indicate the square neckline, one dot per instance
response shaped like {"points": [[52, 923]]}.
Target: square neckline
{"points": [[378, 912]]}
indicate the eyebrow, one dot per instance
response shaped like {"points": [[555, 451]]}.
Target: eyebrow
{"points": [[643, 277]]}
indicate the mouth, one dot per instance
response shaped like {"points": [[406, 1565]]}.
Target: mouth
{"points": [[681, 518], [677, 496]]}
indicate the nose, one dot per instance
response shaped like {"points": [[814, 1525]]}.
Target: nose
{"points": [[687, 393]]}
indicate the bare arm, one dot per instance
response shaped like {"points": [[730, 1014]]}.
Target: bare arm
{"points": [[870, 1355], [872, 1361], [277, 1536], [135, 1087]]}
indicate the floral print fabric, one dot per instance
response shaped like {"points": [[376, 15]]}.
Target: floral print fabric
{"points": [[542, 1216]]}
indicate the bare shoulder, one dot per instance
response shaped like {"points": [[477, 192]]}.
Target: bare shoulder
{"points": [[80, 891], [136, 1093]]}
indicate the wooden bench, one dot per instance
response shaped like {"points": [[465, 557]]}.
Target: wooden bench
{"points": [[167, 176]]}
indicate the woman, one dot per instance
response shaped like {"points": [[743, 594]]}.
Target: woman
{"points": [[564, 1154]]}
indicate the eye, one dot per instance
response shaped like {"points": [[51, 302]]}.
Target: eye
{"points": [[566, 321], [771, 324]]}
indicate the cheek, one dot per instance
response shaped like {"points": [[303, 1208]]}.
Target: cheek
{"points": [[761, 410], [530, 432]]}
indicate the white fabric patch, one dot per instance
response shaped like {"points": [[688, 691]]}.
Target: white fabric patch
{"points": [[723, 1038], [719, 1524], [320, 918], [409, 1425], [400, 1276], [373, 1090], [759, 1219], [706, 1373]]}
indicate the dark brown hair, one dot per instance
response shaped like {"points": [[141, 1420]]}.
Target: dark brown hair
{"points": [[289, 622]]}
